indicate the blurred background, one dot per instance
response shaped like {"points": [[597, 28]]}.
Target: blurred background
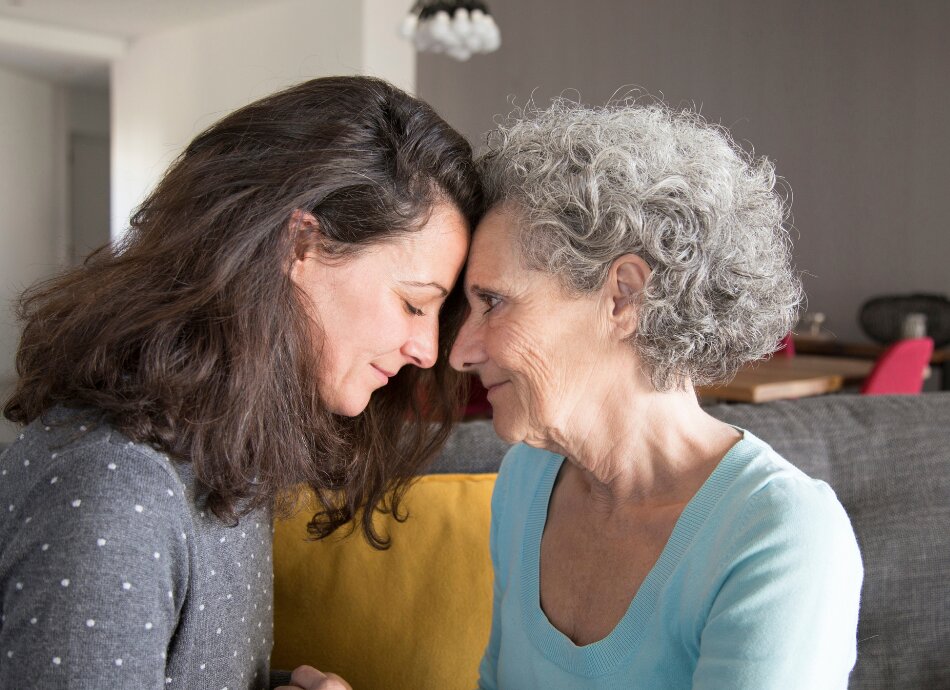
{"points": [[848, 97]]}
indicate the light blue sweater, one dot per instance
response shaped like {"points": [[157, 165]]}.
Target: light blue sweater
{"points": [[757, 587]]}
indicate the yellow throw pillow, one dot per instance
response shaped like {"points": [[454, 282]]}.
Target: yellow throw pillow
{"points": [[416, 616]]}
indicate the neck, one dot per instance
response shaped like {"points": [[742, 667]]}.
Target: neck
{"points": [[640, 447]]}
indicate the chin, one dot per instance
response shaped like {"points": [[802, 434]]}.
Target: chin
{"points": [[506, 431], [352, 406]]}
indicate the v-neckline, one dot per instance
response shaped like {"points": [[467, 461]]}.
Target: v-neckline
{"points": [[599, 657]]}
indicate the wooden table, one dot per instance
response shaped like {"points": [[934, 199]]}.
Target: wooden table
{"points": [[789, 377]]}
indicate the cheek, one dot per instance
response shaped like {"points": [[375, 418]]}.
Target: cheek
{"points": [[530, 362]]}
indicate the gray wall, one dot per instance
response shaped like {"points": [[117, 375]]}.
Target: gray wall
{"points": [[849, 97]]}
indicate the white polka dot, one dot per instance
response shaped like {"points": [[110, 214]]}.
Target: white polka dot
{"points": [[10, 654], [32, 621], [242, 619], [130, 444], [82, 427], [148, 626], [248, 586], [19, 585], [118, 662], [221, 540], [202, 667], [138, 508], [243, 534], [57, 660], [54, 456], [45, 547], [100, 541], [218, 631], [235, 653], [157, 554], [170, 595], [90, 623], [64, 582], [3, 472], [164, 655], [10, 508], [212, 571], [201, 607], [76, 503], [54, 480], [184, 536], [26, 463], [229, 596], [22, 436], [28, 521], [46, 428], [258, 625], [126, 586], [168, 681], [111, 465]]}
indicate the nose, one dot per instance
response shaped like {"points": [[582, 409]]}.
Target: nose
{"points": [[422, 346], [468, 349]]}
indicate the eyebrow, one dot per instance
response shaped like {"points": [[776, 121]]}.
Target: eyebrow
{"points": [[416, 283]]}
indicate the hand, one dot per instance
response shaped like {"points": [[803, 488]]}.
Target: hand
{"points": [[309, 678]]}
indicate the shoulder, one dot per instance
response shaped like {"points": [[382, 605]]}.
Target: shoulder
{"points": [[773, 507], [76, 478]]}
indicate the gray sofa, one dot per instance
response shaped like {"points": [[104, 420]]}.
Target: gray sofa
{"points": [[888, 460]]}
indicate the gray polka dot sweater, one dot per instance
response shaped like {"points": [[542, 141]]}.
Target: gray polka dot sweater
{"points": [[112, 576]]}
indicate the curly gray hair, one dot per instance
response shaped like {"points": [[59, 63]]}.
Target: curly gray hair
{"points": [[592, 184]]}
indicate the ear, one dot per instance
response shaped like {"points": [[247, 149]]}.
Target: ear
{"points": [[303, 226], [626, 280]]}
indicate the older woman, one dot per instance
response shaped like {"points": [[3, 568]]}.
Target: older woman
{"points": [[629, 254]]}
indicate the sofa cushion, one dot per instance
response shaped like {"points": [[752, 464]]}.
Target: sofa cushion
{"points": [[415, 616]]}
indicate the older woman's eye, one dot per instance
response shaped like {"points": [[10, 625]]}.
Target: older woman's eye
{"points": [[490, 301]]}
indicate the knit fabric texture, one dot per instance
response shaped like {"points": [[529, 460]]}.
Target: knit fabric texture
{"points": [[112, 573]]}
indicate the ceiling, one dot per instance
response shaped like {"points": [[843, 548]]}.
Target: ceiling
{"points": [[72, 41]]}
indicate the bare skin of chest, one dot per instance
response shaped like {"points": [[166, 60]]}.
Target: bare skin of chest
{"points": [[592, 565]]}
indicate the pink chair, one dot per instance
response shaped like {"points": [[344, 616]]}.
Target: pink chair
{"points": [[786, 347], [900, 369]]}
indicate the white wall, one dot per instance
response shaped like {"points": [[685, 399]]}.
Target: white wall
{"points": [[172, 85], [384, 53], [32, 221]]}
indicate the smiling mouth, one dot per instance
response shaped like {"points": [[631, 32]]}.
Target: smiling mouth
{"points": [[493, 386], [385, 374]]}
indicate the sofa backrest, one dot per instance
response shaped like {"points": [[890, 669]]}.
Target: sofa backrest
{"points": [[888, 460]]}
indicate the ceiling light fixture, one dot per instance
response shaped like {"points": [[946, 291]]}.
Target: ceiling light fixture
{"points": [[455, 27]]}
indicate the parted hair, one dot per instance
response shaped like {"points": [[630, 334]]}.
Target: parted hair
{"points": [[589, 185], [190, 335]]}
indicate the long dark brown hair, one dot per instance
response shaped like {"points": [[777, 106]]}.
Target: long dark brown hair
{"points": [[190, 335]]}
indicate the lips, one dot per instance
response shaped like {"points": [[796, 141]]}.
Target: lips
{"points": [[385, 375], [489, 387]]}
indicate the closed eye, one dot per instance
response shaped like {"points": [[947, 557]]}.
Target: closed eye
{"points": [[412, 309]]}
